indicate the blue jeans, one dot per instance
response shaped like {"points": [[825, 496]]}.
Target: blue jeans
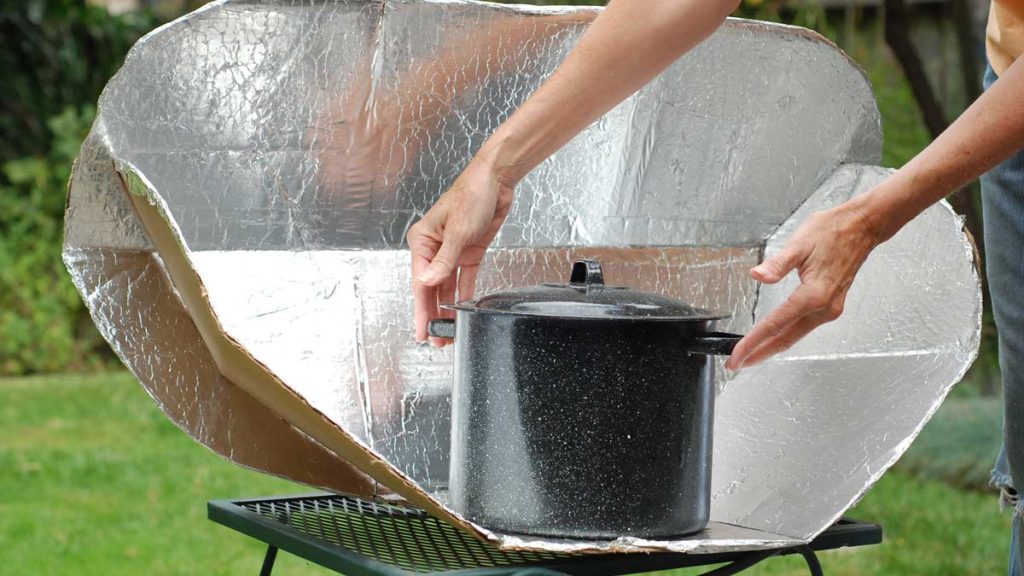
{"points": [[1002, 194]]}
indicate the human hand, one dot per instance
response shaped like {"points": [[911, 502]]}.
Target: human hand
{"points": [[827, 250], [449, 242]]}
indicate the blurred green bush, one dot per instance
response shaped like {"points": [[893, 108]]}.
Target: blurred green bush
{"points": [[960, 444], [43, 326], [56, 56]]}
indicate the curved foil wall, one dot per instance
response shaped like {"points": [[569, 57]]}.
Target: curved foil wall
{"points": [[256, 281]]}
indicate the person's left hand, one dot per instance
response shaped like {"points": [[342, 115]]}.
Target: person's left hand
{"points": [[827, 250]]}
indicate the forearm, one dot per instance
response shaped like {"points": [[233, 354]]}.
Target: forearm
{"points": [[988, 132], [630, 43]]}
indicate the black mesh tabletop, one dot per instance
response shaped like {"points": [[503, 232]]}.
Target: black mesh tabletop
{"points": [[405, 538], [362, 538]]}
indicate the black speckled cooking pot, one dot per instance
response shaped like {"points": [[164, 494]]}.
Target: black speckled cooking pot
{"points": [[583, 410]]}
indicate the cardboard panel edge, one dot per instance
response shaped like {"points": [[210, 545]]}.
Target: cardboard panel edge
{"points": [[255, 378]]}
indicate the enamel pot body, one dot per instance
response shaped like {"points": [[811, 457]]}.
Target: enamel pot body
{"points": [[582, 427]]}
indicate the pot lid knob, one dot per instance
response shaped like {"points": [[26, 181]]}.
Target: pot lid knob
{"points": [[586, 274], [586, 296]]}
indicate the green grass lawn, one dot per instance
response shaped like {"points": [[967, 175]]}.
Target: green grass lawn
{"points": [[94, 480]]}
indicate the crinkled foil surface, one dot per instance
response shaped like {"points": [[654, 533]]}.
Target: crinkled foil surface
{"points": [[290, 145]]}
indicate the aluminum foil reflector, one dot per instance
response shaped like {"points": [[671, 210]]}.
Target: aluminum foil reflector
{"points": [[236, 227]]}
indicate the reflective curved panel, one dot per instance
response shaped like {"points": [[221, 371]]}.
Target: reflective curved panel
{"points": [[262, 161]]}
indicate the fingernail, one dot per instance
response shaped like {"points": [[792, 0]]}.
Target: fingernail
{"points": [[731, 373], [429, 275], [735, 363]]}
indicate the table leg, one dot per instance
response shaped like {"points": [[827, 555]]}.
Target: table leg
{"points": [[812, 560], [268, 560]]}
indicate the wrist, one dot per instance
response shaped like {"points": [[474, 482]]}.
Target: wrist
{"points": [[898, 199], [499, 156], [871, 217]]}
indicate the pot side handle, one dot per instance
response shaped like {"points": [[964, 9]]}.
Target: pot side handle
{"points": [[442, 328], [713, 343]]}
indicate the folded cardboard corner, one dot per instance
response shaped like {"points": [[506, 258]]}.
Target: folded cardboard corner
{"points": [[254, 377]]}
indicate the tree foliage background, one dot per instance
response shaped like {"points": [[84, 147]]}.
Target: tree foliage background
{"points": [[56, 56]]}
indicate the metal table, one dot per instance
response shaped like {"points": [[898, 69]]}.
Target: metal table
{"points": [[362, 538]]}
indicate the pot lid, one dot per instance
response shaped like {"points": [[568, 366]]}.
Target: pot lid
{"points": [[587, 296]]}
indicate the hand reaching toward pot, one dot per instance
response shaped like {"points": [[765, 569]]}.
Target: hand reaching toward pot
{"points": [[449, 242], [827, 250], [623, 49]]}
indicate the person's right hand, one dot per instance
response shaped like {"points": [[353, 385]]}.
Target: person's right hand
{"points": [[449, 242]]}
